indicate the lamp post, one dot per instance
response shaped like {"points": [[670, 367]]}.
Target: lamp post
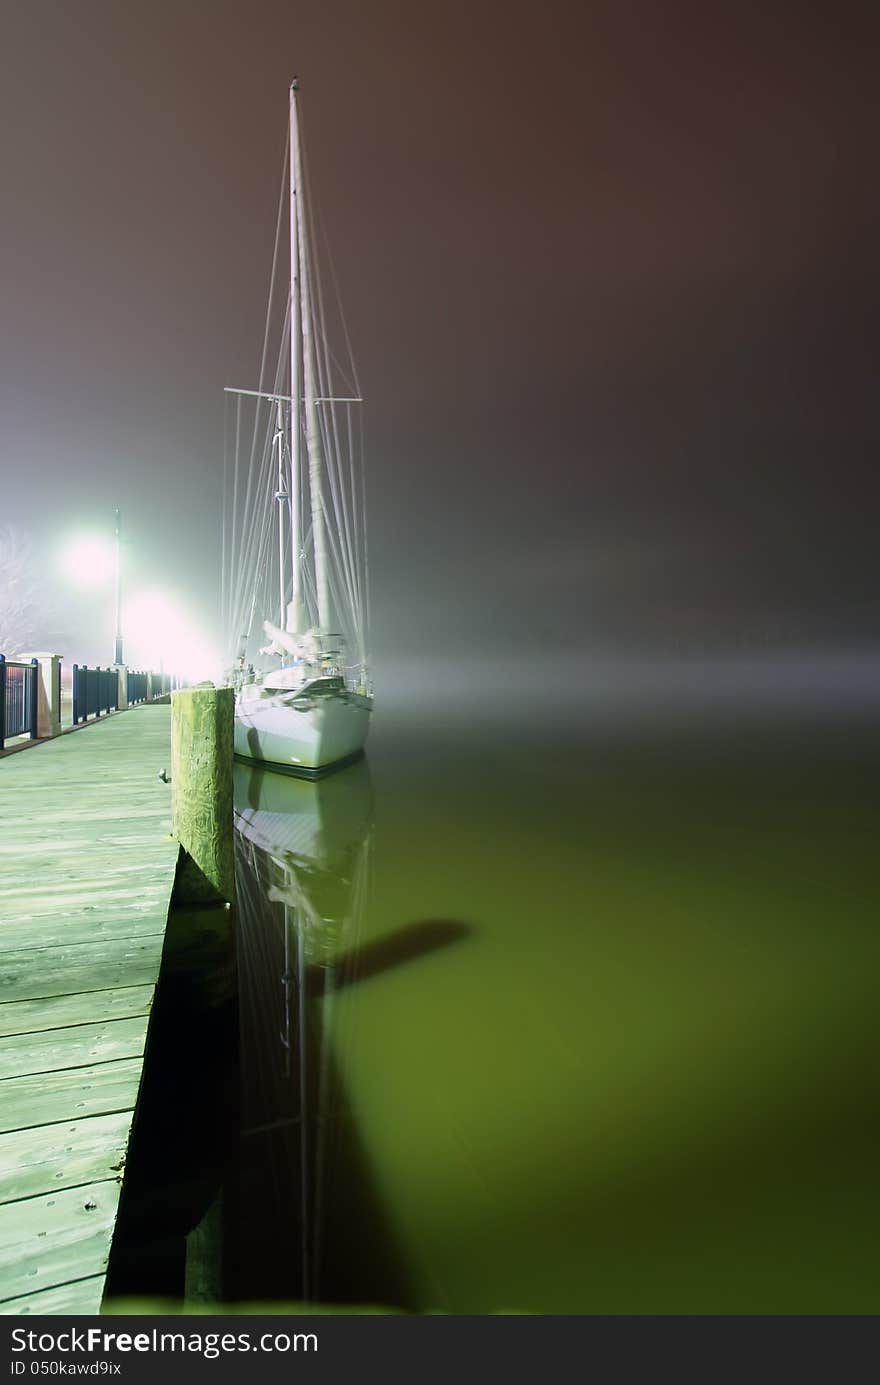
{"points": [[118, 574]]}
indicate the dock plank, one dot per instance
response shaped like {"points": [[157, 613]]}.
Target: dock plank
{"points": [[79, 1046], [53, 1240], [65, 1011], [82, 1298], [87, 867], [41, 1098], [84, 926], [32, 973], [49, 1157]]}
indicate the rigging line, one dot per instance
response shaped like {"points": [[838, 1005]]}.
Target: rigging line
{"points": [[332, 471], [357, 551], [337, 532], [356, 466], [338, 495], [294, 511], [278, 220], [223, 612], [368, 642], [269, 304], [333, 576], [233, 537], [337, 571], [351, 529], [261, 582], [260, 506], [251, 539], [249, 507], [278, 373], [336, 568], [344, 554], [316, 261], [310, 595], [350, 499], [339, 305], [339, 501], [245, 617], [310, 374]]}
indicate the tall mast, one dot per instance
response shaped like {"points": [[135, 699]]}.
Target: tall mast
{"points": [[294, 614], [310, 376], [282, 499]]}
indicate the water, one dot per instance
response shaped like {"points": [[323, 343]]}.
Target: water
{"points": [[564, 1022]]}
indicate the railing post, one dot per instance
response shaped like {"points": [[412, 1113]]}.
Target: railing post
{"points": [[2, 699], [48, 721], [75, 687], [34, 699]]}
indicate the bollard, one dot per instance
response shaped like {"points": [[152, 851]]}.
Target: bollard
{"points": [[201, 789]]}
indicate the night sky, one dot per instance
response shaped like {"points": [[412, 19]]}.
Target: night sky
{"points": [[610, 272]]}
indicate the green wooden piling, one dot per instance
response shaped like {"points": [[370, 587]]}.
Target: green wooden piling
{"points": [[201, 785]]}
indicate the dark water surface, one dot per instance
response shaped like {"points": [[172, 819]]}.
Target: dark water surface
{"points": [[571, 1022]]}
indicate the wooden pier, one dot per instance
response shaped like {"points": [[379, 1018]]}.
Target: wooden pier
{"points": [[87, 867]]}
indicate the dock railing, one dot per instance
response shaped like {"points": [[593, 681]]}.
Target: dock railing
{"points": [[31, 694], [95, 691], [138, 686], [18, 699]]}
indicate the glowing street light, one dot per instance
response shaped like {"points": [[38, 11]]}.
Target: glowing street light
{"points": [[118, 577], [89, 562], [163, 633], [92, 561]]}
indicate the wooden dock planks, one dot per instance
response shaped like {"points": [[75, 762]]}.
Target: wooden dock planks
{"points": [[87, 867]]}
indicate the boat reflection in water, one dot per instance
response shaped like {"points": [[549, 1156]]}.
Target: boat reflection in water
{"points": [[302, 869]]}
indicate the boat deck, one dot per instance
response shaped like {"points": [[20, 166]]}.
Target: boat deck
{"points": [[87, 868]]}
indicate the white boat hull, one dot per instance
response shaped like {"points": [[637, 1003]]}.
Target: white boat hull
{"points": [[307, 737]]}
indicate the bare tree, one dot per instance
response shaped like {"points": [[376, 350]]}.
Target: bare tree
{"points": [[25, 613]]}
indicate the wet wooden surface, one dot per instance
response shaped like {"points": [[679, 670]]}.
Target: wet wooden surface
{"points": [[87, 867]]}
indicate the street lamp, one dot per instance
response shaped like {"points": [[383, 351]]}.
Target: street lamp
{"points": [[118, 575], [91, 561]]}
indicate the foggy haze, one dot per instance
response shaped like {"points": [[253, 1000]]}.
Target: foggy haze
{"points": [[608, 272]]}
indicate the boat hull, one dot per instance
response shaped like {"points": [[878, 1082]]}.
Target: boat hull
{"points": [[308, 739]]}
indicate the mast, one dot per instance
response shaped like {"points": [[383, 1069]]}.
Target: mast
{"points": [[282, 498], [310, 377], [294, 614]]}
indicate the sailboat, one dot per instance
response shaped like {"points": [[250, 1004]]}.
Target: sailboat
{"points": [[296, 530]]}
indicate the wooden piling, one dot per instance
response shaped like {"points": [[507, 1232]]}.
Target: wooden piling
{"points": [[201, 785]]}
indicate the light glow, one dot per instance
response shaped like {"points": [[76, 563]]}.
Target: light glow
{"points": [[161, 634], [89, 561]]}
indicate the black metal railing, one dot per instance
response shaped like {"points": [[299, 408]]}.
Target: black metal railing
{"points": [[138, 686], [95, 692], [18, 699]]}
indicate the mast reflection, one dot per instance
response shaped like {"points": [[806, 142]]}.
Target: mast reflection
{"points": [[303, 852]]}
